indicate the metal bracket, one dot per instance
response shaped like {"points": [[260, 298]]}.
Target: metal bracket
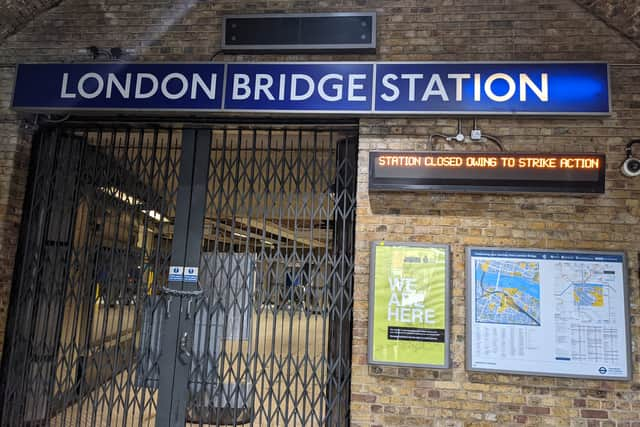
{"points": [[167, 313], [178, 293], [190, 295], [184, 354]]}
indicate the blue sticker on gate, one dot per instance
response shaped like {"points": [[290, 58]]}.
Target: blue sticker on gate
{"points": [[191, 274], [176, 273]]}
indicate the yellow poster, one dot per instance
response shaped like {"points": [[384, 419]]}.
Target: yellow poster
{"points": [[409, 305]]}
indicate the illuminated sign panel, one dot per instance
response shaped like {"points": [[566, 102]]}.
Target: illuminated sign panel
{"points": [[487, 172], [351, 88]]}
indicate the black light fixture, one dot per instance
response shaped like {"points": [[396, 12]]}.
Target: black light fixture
{"points": [[94, 51], [116, 52], [111, 53]]}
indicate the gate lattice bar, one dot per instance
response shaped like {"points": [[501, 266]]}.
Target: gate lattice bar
{"points": [[261, 335]]}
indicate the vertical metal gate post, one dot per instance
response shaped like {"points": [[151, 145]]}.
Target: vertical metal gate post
{"points": [[341, 320], [177, 337], [42, 314], [15, 346]]}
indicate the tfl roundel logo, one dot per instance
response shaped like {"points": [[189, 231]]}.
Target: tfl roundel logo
{"points": [[176, 270], [602, 370]]}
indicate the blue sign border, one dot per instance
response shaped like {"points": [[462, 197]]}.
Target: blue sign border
{"points": [[583, 87]]}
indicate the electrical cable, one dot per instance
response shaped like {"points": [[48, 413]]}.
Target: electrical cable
{"points": [[630, 144], [430, 140], [495, 140], [456, 138], [491, 138], [48, 119]]}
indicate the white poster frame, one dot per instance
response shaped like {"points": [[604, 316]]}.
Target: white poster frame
{"points": [[472, 359]]}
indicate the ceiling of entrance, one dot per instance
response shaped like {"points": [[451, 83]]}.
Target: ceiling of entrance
{"points": [[273, 187]]}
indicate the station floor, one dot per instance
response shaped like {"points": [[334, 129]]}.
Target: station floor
{"points": [[113, 403]]}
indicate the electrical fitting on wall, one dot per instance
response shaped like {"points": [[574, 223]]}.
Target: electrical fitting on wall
{"points": [[112, 54], [631, 165], [475, 136]]}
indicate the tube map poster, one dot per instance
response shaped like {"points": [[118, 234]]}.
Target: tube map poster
{"points": [[556, 313], [409, 310]]}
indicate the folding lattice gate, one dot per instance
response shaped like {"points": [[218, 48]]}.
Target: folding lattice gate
{"points": [[253, 327]]}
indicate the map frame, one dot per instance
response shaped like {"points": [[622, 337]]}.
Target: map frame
{"points": [[528, 254], [371, 359]]}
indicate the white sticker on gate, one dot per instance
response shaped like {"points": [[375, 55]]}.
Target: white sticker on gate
{"points": [[175, 273], [191, 274]]}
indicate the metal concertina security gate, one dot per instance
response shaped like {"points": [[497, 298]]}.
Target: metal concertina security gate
{"points": [[255, 329]]}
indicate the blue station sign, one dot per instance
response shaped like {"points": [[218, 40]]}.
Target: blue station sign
{"points": [[353, 88]]}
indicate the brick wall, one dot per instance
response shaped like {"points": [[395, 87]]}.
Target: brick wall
{"points": [[446, 30], [14, 161], [391, 396]]}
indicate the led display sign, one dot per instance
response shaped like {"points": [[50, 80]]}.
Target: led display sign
{"points": [[487, 172]]}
